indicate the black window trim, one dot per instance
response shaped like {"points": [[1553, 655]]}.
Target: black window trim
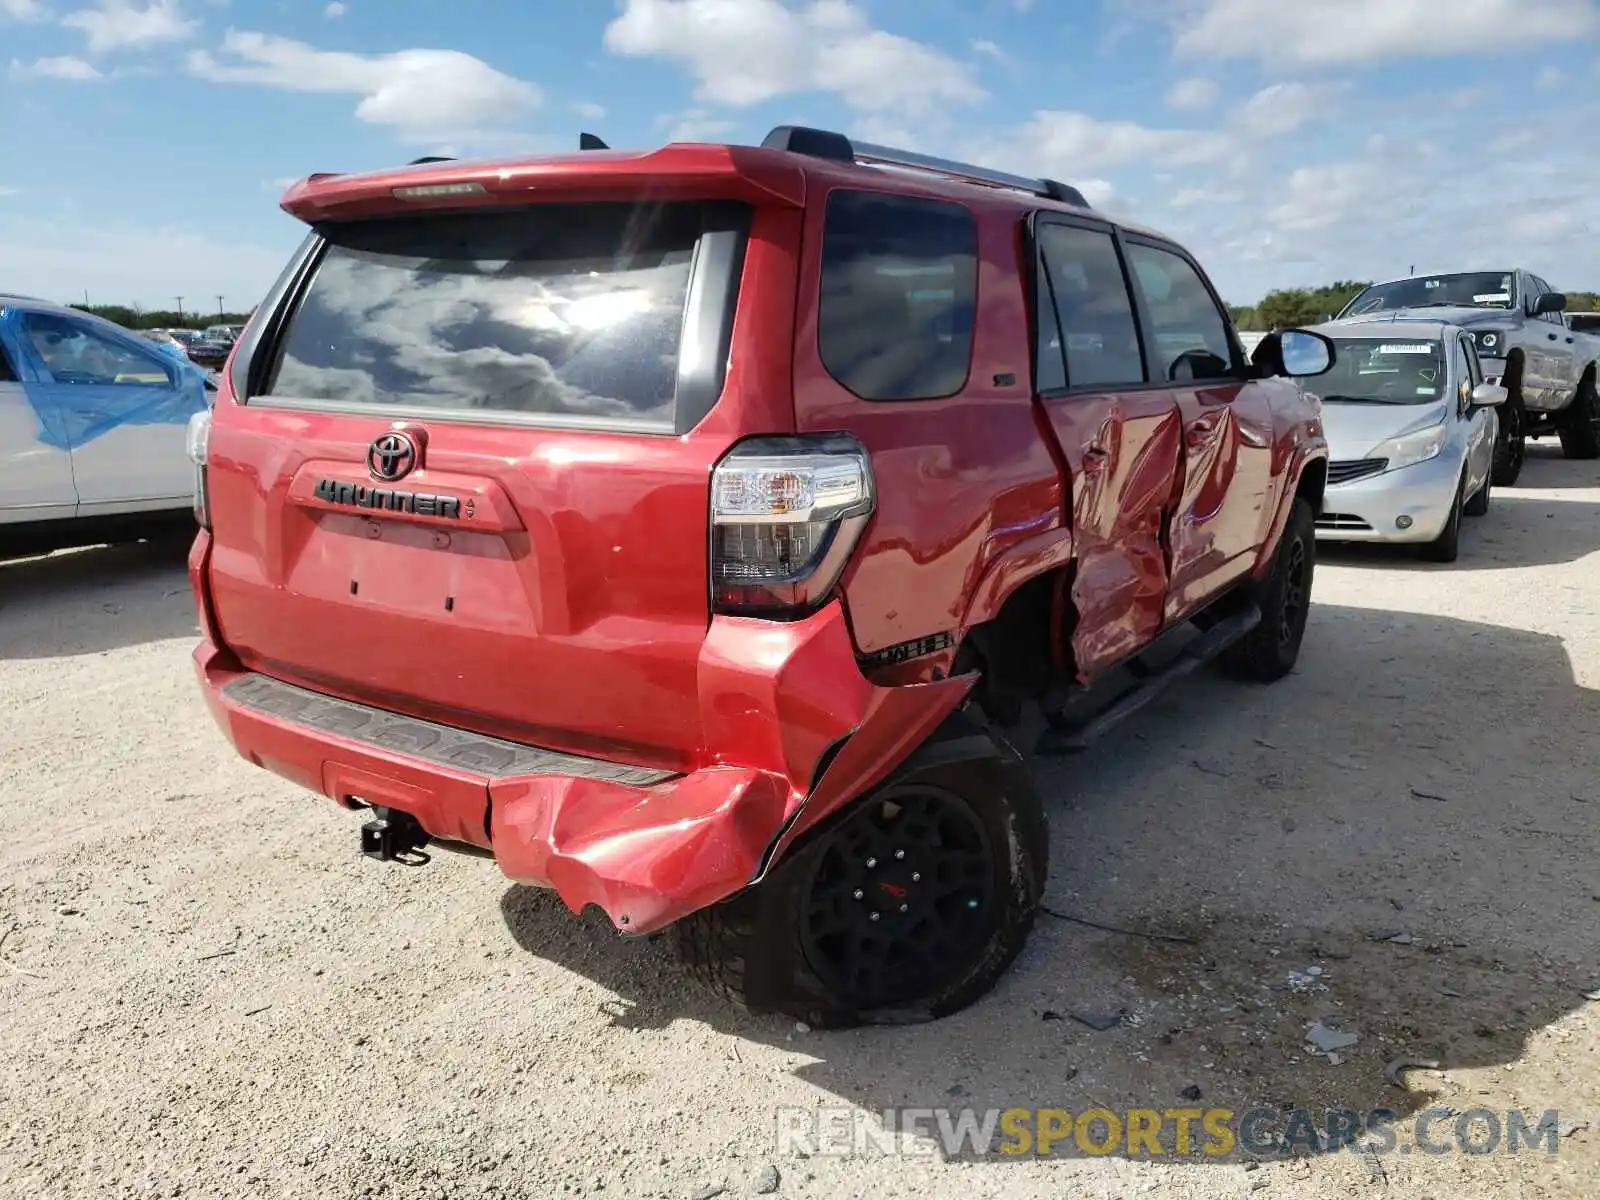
{"points": [[716, 271], [1047, 216], [1238, 367], [977, 271], [1143, 323]]}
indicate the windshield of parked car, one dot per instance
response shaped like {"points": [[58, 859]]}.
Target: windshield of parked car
{"points": [[1477, 289], [1376, 371]]}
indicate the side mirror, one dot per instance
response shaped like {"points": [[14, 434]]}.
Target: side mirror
{"points": [[1488, 395], [1294, 353], [1549, 302]]}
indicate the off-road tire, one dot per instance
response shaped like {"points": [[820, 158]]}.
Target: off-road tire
{"points": [[749, 949], [1270, 650], [1580, 424], [1478, 503], [1446, 548], [1511, 442]]}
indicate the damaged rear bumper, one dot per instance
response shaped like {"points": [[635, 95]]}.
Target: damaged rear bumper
{"points": [[792, 731]]}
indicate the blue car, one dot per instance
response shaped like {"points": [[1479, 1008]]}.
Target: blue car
{"points": [[92, 426]]}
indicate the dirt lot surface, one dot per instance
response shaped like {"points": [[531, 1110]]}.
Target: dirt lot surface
{"points": [[208, 992]]}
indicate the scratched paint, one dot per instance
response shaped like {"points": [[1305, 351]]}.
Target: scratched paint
{"points": [[72, 415]]}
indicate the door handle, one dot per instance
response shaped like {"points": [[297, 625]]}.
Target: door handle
{"points": [[1569, 341], [1552, 337]]}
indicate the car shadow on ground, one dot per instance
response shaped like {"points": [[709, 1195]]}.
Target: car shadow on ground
{"points": [[1414, 866], [95, 599]]}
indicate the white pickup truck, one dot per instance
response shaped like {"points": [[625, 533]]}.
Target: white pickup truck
{"points": [[1523, 342]]}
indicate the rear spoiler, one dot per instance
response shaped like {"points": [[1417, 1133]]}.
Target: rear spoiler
{"points": [[680, 171]]}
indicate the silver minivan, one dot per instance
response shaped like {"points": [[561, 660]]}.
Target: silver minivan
{"points": [[1411, 427]]}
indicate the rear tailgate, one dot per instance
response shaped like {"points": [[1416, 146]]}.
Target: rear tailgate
{"points": [[469, 476]]}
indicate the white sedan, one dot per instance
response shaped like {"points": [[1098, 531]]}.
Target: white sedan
{"points": [[92, 424]]}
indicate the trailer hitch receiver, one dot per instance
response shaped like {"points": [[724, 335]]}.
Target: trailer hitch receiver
{"points": [[393, 836]]}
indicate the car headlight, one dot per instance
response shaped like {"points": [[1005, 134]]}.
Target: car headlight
{"points": [[1412, 448], [1491, 342]]}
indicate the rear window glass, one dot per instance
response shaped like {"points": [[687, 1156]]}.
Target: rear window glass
{"points": [[899, 284], [569, 312]]}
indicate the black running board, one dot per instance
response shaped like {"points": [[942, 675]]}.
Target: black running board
{"points": [[1065, 737]]}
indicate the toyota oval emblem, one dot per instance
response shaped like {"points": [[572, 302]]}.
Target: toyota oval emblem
{"points": [[391, 456]]}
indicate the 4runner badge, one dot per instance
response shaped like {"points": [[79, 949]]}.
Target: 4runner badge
{"points": [[423, 504]]}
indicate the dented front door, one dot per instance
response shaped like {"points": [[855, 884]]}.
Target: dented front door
{"points": [[1121, 440], [1226, 476]]}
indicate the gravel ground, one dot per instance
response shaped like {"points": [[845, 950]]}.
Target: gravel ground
{"points": [[208, 992]]}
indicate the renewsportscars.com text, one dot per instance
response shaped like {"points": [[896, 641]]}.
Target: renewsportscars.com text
{"points": [[1016, 1133]]}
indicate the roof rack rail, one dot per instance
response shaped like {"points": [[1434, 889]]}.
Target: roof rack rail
{"points": [[430, 158], [824, 143]]}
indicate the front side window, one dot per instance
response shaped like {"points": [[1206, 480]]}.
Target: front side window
{"points": [[1188, 336], [899, 289], [1093, 306], [561, 311], [1395, 370], [74, 352]]}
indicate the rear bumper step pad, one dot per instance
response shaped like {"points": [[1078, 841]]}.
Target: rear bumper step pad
{"points": [[442, 745]]}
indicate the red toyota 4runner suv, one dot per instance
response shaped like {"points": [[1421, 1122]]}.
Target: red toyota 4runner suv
{"points": [[682, 529]]}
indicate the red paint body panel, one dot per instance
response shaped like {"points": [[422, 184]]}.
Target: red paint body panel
{"points": [[573, 611], [570, 613], [1123, 450], [779, 698], [961, 482]]}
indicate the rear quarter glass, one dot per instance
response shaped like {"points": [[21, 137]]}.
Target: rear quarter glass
{"points": [[562, 314]]}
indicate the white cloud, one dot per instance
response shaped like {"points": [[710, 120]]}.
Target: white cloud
{"points": [[1193, 197], [589, 110], [1348, 31], [22, 10], [989, 49], [131, 264], [63, 67], [335, 10], [695, 125], [1549, 78], [423, 93], [1281, 108], [1193, 93], [1066, 144], [121, 24], [746, 52], [7, 192]]}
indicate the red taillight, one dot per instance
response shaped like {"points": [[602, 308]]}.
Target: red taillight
{"points": [[786, 514], [199, 442]]}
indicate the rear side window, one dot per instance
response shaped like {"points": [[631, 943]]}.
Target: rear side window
{"points": [[1189, 333], [1092, 304], [899, 286], [565, 312]]}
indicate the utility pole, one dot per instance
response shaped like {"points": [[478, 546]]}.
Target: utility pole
{"points": [[179, 299], [220, 313]]}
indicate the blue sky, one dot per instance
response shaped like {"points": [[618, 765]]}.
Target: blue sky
{"points": [[1286, 141]]}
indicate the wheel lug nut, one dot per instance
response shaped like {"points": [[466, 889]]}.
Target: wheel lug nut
{"points": [[905, 908], [871, 862], [858, 893], [899, 853], [916, 877], [873, 917]]}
